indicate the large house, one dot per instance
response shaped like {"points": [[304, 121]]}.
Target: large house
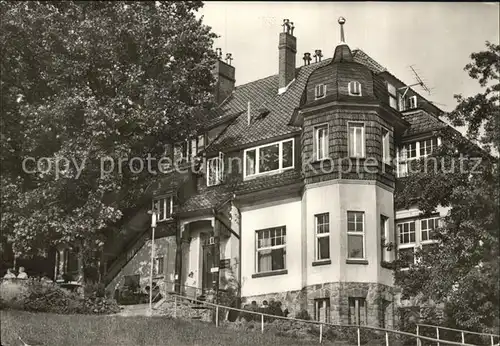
{"points": [[293, 192]]}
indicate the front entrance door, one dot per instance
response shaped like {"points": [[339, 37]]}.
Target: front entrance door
{"points": [[208, 262]]}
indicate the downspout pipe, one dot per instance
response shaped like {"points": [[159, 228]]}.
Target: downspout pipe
{"points": [[214, 212]]}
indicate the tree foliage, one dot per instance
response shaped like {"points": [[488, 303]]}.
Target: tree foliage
{"points": [[480, 113], [462, 270], [82, 81]]}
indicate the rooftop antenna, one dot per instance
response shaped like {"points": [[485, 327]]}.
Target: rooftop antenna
{"points": [[419, 82]]}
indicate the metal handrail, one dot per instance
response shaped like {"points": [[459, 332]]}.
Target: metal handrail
{"points": [[321, 324], [461, 331], [458, 330]]}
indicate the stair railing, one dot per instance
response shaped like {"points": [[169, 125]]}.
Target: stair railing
{"points": [[358, 328], [463, 334]]}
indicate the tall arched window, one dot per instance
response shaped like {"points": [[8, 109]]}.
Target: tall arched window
{"points": [[354, 88]]}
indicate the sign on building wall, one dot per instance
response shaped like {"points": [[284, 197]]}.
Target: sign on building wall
{"points": [[225, 263]]}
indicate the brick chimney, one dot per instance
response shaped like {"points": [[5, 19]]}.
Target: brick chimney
{"points": [[287, 51], [224, 74]]}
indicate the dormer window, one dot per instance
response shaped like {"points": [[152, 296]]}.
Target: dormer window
{"points": [[319, 91], [393, 97], [412, 102], [163, 207], [354, 88]]}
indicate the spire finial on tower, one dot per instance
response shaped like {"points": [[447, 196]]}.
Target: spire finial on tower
{"points": [[342, 22]]}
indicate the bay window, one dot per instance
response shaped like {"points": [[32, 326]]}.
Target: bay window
{"points": [[269, 158]]}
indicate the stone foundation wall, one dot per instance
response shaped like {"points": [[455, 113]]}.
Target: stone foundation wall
{"points": [[380, 303]]}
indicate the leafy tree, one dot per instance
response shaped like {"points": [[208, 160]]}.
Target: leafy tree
{"points": [[87, 83], [480, 112], [462, 270]]}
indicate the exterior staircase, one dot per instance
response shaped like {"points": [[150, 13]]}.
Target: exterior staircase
{"points": [[168, 306], [134, 246]]}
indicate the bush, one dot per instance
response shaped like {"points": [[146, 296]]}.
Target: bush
{"points": [[39, 296], [303, 315], [98, 305], [94, 290], [48, 297]]}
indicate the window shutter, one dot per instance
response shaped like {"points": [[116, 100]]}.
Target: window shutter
{"points": [[220, 171], [201, 143]]}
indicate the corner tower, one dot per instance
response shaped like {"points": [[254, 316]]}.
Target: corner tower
{"points": [[347, 149]]}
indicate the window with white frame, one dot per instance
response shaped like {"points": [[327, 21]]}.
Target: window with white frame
{"points": [[406, 231], [354, 88], [427, 146], [319, 91], [269, 158], [356, 139], [412, 102], [321, 141], [414, 151], [158, 266], [322, 226], [384, 238], [393, 97], [163, 207], [215, 170], [355, 235], [406, 246], [271, 249], [427, 227], [322, 309], [386, 146], [358, 311]]}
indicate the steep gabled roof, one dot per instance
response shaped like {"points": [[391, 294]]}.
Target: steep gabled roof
{"points": [[422, 122], [263, 93]]}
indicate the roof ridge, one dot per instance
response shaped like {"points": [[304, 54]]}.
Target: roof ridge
{"points": [[276, 74]]}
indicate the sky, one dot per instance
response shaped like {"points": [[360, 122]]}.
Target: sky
{"points": [[435, 38]]}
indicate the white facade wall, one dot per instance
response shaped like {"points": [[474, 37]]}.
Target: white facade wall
{"points": [[284, 213]]}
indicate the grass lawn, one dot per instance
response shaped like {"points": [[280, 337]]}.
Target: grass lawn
{"points": [[65, 330]]}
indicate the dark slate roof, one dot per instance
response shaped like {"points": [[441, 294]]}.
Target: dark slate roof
{"points": [[263, 93], [209, 198], [365, 59], [271, 181], [422, 122], [215, 196]]}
